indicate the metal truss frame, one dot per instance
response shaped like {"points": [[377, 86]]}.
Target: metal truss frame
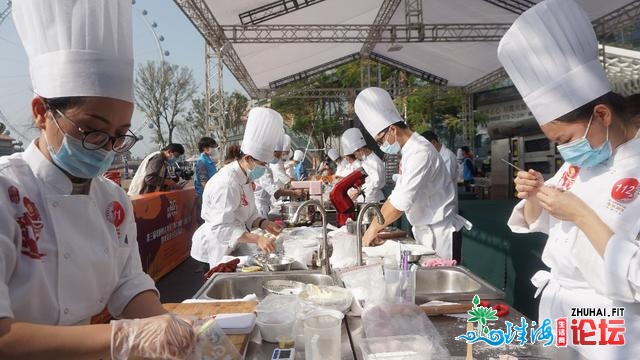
{"points": [[617, 19], [387, 9], [351, 33], [426, 76], [485, 81], [514, 6], [201, 17], [330, 93], [273, 10], [313, 71]]}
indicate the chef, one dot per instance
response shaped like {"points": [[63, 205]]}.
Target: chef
{"points": [[590, 207], [269, 188], [229, 209], [424, 190], [349, 161], [68, 245], [279, 172], [299, 168], [353, 142]]}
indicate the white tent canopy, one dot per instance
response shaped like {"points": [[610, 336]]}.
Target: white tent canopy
{"points": [[272, 55]]}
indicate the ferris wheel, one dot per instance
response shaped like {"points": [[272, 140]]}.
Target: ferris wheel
{"points": [[16, 90]]}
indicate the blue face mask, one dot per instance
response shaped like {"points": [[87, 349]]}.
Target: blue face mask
{"points": [[257, 172], [274, 161], [391, 149], [580, 152], [73, 158]]}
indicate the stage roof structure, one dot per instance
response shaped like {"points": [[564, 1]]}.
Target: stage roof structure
{"points": [[267, 44]]}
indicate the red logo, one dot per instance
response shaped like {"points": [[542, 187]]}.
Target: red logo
{"points": [[243, 199], [625, 190], [14, 194], [569, 177], [31, 226], [115, 213], [602, 332]]}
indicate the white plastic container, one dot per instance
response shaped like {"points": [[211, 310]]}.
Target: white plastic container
{"points": [[270, 329], [322, 335]]}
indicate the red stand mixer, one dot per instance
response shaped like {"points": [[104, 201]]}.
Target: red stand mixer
{"points": [[339, 196]]}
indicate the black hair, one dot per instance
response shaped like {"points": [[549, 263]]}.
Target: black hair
{"points": [[233, 153], [174, 148], [399, 124], [615, 101], [64, 103], [633, 106], [430, 136], [465, 149], [351, 156], [206, 142]]}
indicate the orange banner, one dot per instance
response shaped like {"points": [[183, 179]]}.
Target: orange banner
{"points": [[166, 221]]}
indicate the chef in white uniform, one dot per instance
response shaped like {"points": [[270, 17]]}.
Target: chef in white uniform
{"points": [[68, 245], [228, 208], [353, 141], [269, 188], [424, 190], [279, 172], [349, 161], [590, 207]]}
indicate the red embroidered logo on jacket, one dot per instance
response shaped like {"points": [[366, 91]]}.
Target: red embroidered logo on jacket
{"points": [[30, 226], [115, 215], [569, 177], [625, 190], [243, 199], [14, 194]]}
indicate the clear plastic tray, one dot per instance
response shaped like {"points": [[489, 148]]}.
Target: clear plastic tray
{"points": [[406, 347]]}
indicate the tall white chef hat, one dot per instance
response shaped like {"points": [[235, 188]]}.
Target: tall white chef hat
{"points": [[551, 55], [351, 141], [333, 154], [77, 47], [263, 130], [298, 155], [284, 144], [376, 110]]}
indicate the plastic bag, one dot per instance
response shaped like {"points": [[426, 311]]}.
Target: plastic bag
{"points": [[364, 284], [345, 247], [390, 320], [212, 343], [277, 308]]}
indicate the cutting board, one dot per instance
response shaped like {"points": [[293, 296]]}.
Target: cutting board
{"points": [[208, 309]]}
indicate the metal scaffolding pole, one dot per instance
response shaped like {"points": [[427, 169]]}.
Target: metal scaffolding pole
{"points": [[216, 119]]}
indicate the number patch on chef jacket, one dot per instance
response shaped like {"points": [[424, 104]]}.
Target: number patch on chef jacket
{"points": [[625, 190]]}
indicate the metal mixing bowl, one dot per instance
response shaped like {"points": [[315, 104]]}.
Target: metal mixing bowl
{"points": [[279, 263]]}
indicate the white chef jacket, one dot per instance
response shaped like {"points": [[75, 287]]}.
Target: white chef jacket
{"points": [[280, 176], [229, 210], [341, 168], [579, 277], [290, 169], [451, 163], [425, 192], [375, 180], [64, 257], [266, 188]]}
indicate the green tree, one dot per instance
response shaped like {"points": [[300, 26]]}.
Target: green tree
{"points": [[163, 93]]}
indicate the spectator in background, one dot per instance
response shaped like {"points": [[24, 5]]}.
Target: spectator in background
{"points": [[299, 169], [153, 173], [468, 169], [205, 167]]}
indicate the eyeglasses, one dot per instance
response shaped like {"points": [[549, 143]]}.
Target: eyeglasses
{"points": [[97, 139], [381, 139]]}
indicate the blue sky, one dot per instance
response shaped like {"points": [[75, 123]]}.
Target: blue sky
{"points": [[184, 43]]}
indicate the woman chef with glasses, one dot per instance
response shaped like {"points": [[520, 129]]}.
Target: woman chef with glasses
{"points": [[68, 245]]}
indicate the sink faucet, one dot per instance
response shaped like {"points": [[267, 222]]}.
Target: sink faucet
{"points": [[325, 266], [363, 211]]}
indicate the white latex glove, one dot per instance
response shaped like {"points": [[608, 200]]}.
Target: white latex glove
{"points": [[158, 337]]}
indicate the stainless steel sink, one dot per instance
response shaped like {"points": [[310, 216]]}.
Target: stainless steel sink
{"points": [[452, 283], [238, 285]]}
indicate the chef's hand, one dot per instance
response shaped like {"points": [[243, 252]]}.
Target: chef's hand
{"points": [[266, 244], [563, 205], [271, 227], [157, 337], [353, 193], [528, 183], [299, 194], [371, 238]]}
